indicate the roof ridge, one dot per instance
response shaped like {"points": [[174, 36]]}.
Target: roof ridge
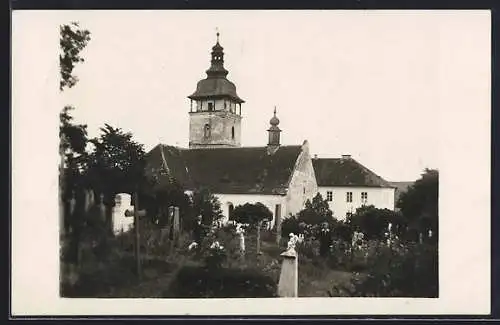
{"points": [[385, 183]]}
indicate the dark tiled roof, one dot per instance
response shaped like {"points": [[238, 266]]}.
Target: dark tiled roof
{"points": [[243, 170], [215, 87], [345, 172]]}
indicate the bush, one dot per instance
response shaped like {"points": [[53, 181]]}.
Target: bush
{"points": [[374, 222], [289, 225], [200, 282], [410, 271]]}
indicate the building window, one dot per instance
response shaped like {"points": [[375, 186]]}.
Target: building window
{"points": [[210, 106], [329, 196], [364, 197], [232, 133], [206, 131], [349, 197], [225, 105]]}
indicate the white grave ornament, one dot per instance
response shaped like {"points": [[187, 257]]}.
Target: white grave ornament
{"points": [[121, 223]]}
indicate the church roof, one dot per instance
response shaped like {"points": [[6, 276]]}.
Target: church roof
{"points": [[345, 172], [215, 87], [242, 170]]}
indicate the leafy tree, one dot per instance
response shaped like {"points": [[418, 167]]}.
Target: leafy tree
{"points": [[73, 139], [316, 212], [419, 204], [251, 213], [72, 41], [116, 163], [207, 205], [374, 222]]}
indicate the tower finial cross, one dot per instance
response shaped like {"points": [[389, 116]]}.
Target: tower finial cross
{"points": [[217, 33], [274, 110]]}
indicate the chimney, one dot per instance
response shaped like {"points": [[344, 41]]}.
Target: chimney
{"points": [[346, 156], [315, 156]]}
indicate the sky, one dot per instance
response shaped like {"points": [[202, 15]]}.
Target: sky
{"points": [[361, 83]]}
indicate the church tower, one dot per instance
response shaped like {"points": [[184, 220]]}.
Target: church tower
{"points": [[215, 111]]}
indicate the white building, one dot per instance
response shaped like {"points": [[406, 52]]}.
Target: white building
{"points": [[348, 185], [280, 177]]}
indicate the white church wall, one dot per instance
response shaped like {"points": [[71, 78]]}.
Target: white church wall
{"points": [[382, 198], [270, 201], [303, 184]]}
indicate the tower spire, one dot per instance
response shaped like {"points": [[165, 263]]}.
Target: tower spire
{"points": [[216, 69], [274, 134]]}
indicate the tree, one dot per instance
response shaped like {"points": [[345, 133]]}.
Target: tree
{"points": [[72, 41], [116, 163], [419, 204], [374, 222], [73, 137], [316, 212], [253, 214], [207, 205]]}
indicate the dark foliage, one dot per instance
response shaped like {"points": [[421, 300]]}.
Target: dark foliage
{"points": [[206, 204], [316, 212], [72, 41], [419, 204], [251, 213], [403, 272], [200, 282], [116, 165], [374, 222]]}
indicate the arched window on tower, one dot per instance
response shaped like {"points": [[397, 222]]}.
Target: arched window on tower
{"points": [[232, 133], [206, 131]]}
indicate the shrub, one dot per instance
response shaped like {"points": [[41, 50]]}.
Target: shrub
{"points": [[199, 282], [410, 271], [289, 225]]}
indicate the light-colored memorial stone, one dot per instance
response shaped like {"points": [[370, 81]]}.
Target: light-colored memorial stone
{"points": [[120, 222], [241, 235], [288, 284]]}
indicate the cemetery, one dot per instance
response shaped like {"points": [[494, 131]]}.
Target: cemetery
{"points": [[181, 255], [185, 222]]}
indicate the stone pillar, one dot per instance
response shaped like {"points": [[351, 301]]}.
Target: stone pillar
{"points": [[102, 209], [176, 225], [242, 244], [288, 285]]}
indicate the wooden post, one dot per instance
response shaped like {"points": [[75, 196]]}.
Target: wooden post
{"points": [[136, 214], [277, 221], [137, 241], [259, 225]]}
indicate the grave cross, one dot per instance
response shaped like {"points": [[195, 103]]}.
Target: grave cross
{"points": [[136, 213]]}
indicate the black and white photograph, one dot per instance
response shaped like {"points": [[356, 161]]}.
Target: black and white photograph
{"points": [[208, 155]]}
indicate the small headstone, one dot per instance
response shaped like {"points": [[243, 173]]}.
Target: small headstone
{"points": [[122, 223]]}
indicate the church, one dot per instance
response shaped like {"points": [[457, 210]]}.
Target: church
{"points": [[282, 177]]}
